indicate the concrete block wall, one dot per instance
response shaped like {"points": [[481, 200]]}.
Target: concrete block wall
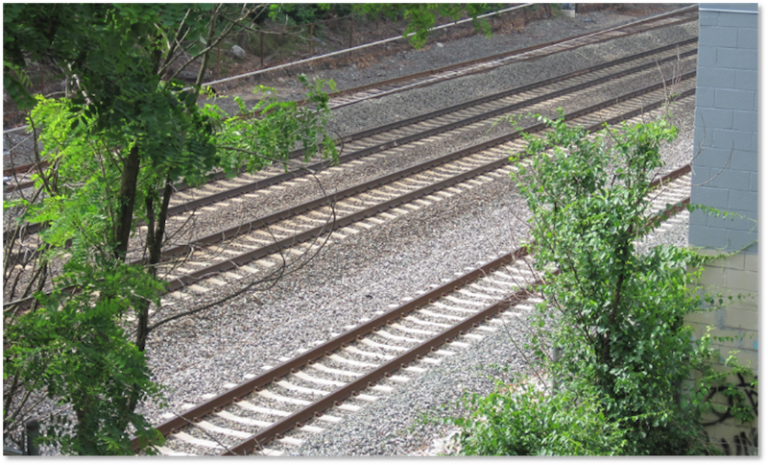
{"points": [[725, 139], [725, 168]]}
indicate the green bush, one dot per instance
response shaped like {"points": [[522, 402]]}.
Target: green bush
{"points": [[531, 422], [617, 316]]}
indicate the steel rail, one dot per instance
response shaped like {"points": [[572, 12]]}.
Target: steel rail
{"points": [[220, 175], [255, 254], [468, 63], [672, 175], [678, 12], [188, 206], [351, 389], [315, 409], [291, 366], [357, 154], [480, 70], [23, 168], [231, 263], [286, 368], [359, 47], [437, 113], [267, 182]]}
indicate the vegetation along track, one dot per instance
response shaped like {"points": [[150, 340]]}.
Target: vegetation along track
{"points": [[387, 87], [309, 393], [374, 202], [240, 251], [382, 88], [444, 122]]}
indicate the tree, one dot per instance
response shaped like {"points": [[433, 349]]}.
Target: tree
{"points": [[619, 314], [615, 315], [127, 131], [116, 147]]}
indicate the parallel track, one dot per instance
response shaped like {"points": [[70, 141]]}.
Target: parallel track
{"points": [[386, 349], [431, 180], [387, 87], [236, 248], [313, 378], [444, 122]]}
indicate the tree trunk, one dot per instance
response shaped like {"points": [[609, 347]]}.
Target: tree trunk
{"points": [[154, 244], [624, 248], [127, 197], [126, 201], [155, 233], [85, 429], [605, 356]]}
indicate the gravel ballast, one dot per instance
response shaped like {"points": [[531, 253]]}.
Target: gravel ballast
{"points": [[375, 112], [397, 426], [353, 278]]}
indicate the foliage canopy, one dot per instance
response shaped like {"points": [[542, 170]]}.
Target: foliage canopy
{"points": [[116, 145], [615, 315]]}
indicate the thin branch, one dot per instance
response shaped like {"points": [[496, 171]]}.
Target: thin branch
{"points": [[211, 45], [273, 276], [178, 37], [14, 306], [722, 168], [37, 155]]}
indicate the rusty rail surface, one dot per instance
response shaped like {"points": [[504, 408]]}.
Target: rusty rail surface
{"points": [[273, 180], [357, 154], [258, 253], [688, 11], [317, 408], [267, 220], [286, 368]]}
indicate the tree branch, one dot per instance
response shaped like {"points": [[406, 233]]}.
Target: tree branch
{"points": [[178, 37], [274, 276]]}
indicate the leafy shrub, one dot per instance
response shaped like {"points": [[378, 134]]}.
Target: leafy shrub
{"points": [[531, 422], [616, 315]]}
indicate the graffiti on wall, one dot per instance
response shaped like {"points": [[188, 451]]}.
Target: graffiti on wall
{"points": [[742, 442]]}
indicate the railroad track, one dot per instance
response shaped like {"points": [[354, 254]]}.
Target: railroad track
{"points": [[229, 255], [447, 122], [304, 395], [380, 89], [387, 87], [369, 204]]}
